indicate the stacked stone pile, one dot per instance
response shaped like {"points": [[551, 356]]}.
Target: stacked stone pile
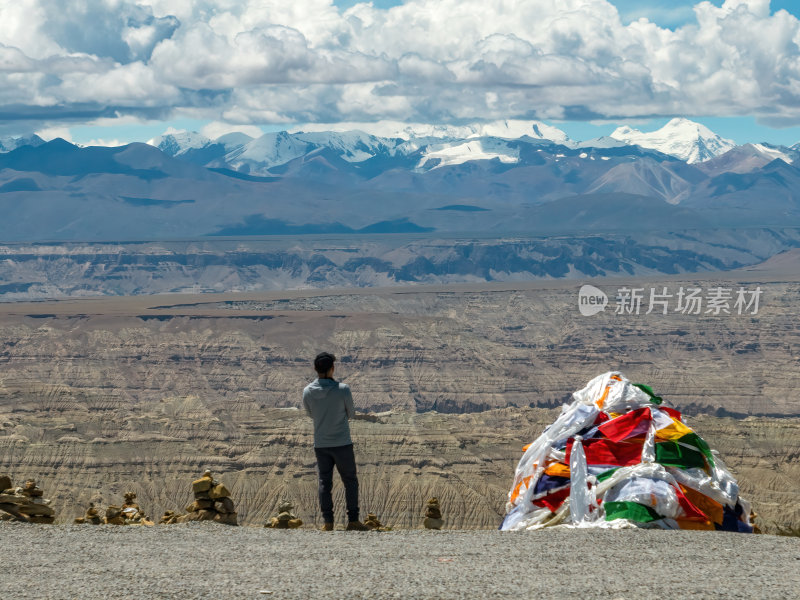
{"points": [[26, 503], [130, 513], [170, 517], [90, 517], [212, 502], [433, 515], [373, 523], [114, 515], [286, 519]]}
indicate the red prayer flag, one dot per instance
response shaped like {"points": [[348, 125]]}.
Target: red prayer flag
{"points": [[628, 425], [600, 451], [554, 500], [601, 418], [675, 414], [692, 512]]}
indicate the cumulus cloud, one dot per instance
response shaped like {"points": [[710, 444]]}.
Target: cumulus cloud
{"points": [[272, 61], [52, 133], [103, 142], [217, 129]]}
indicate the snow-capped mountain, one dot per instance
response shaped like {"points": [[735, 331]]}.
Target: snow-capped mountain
{"points": [[8, 144], [242, 152], [748, 157], [316, 185], [179, 142], [269, 150], [788, 155], [352, 146], [681, 138], [507, 129], [601, 142], [437, 145], [445, 155], [234, 140]]}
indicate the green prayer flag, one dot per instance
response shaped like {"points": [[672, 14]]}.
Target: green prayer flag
{"points": [[692, 439], [672, 454], [606, 474], [649, 391], [633, 511]]}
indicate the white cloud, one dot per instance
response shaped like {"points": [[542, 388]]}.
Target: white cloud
{"points": [[258, 61], [52, 133], [217, 129], [21, 27], [104, 142], [13, 60], [134, 82]]}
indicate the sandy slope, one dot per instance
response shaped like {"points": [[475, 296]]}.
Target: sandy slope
{"points": [[98, 397]]}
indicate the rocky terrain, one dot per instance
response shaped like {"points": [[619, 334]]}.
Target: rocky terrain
{"points": [[98, 397], [34, 271]]}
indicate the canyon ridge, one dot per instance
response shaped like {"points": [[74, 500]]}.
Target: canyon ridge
{"points": [[102, 396]]}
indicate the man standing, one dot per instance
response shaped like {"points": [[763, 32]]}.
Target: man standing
{"points": [[330, 405]]}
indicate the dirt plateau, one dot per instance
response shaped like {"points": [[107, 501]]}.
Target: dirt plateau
{"points": [[103, 396]]}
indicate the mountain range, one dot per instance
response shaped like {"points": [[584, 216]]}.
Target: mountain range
{"points": [[490, 179]]}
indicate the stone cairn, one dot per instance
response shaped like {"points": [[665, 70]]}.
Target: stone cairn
{"points": [[24, 503], [130, 513], [286, 519], [753, 517], [212, 502], [374, 524], [433, 515], [114, 515], [90, 517], [169, 517]]}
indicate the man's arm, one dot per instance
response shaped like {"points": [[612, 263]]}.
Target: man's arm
{"points": [[366, 417], [351, 410], [306, 406], [349, 407]]}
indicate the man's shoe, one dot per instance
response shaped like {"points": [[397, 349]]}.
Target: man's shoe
{"points": [[357, 526], [327, 527]]}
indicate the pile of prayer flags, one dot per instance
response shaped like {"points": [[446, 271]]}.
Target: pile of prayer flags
{"points": [[617, 457]]}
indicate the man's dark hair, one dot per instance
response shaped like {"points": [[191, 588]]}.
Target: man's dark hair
{"points": [[323, 362]]}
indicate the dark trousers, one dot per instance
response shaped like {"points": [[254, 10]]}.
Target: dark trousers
{"points": [[345, 461]]}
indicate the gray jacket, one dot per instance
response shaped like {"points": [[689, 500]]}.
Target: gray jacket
{"points": [[330, 404]]}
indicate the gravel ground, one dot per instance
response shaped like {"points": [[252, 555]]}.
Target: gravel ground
{"points": [[207, 560]]}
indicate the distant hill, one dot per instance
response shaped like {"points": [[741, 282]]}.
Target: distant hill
{"points": [[184, 185]]}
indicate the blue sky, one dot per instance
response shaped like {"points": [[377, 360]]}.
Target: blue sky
{"points": [[665, 13], [99, 74], [677, 13]]}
